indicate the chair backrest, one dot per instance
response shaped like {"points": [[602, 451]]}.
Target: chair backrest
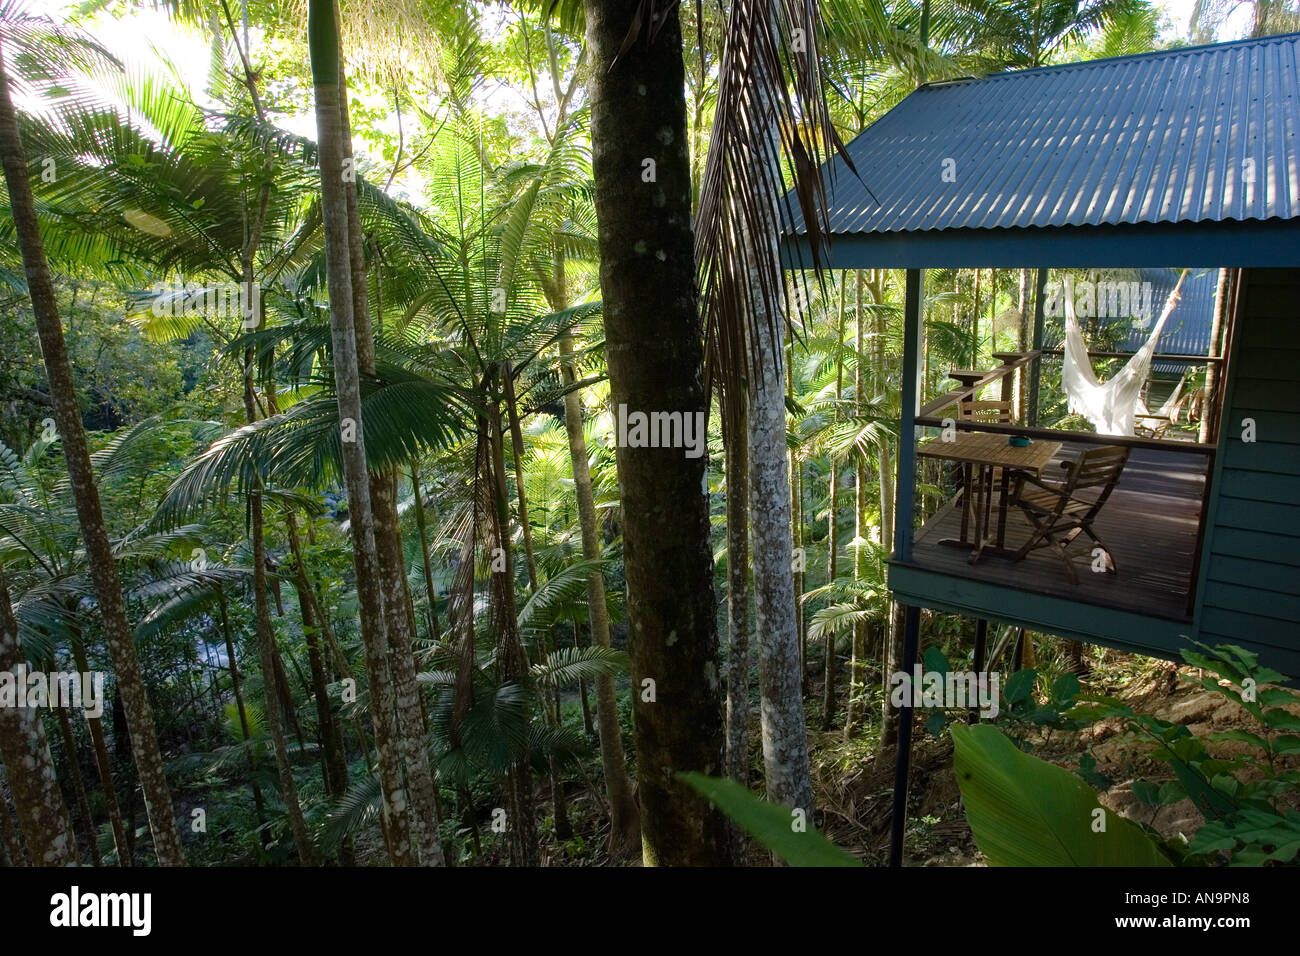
{"points": [[1098, 467], [997, 413]]}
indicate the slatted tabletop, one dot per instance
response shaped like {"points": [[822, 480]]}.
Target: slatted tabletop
{"points": [[986, 448]]}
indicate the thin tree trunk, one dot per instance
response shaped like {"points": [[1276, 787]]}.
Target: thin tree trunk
{"points": [[258, 802], [326, 67], [78, 784], [796, 524], [512, 657], [736, 442], [117, 630], [625, 823], [431, 594], [399, 609], [656, 360], [833, 528], [266, 649], [102, 763], [860, 509]]}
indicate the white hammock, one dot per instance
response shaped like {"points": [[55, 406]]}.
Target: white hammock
{"points": [[1111, 406]]}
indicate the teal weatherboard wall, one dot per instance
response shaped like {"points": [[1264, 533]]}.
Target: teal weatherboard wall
{"points": [[1249, 591]]}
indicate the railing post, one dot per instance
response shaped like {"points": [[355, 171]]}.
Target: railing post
{"points": [[910, 404]]}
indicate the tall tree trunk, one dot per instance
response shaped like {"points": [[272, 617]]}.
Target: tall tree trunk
{"points": [[325, 63], [512, 657], [266, 653], [563, 829], [736, 441], [625, 817], [78, 784], [42, 814], [431, 594], [335, 764], [786, 761], [833, 527], [258, 802], [655, 350], [102, 763], [399, 610], [11, 844], [67, 415], [860, 533]]}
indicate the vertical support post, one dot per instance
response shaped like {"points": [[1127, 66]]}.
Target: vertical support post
{"points": [[981, 641], [910, 404], [903, 753], [1036, 366]]}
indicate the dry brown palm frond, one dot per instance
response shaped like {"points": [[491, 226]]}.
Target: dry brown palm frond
{"points": [[771, 134]]}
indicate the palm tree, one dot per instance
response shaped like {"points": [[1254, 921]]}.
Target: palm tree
{"points": [[67, 414]]}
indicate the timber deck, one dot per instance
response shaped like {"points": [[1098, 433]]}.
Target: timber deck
{"points": [[1150, 525]]}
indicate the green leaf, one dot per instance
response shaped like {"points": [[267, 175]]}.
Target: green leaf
{"points": [[935, 661], [1280, 719], [1026, 812], [770, 824], [1066, 688], [1146, 792], [1020, 685], [936, 722]]}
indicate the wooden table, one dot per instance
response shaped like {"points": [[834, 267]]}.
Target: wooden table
{"points": [[980, 454]]}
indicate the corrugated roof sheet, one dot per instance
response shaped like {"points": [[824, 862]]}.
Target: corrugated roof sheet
{"points": [[1160, 137]]}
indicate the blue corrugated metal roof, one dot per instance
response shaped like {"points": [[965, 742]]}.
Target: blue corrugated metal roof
{"points": [[1160, 137]]}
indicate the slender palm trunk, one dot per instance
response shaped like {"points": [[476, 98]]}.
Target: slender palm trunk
{"points": [[78, 784], [237, 687], [656, 359], [399, 609], [833, 527], [325, 61], [511, 654], [625, 821], [67, 415], [785, 732], [859, 510], [737, 476], [431, 595]]}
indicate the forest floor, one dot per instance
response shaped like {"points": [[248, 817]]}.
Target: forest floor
{"points": [[858, 787]]}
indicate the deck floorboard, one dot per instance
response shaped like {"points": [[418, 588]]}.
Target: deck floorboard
{"points": [[1149, 523]]}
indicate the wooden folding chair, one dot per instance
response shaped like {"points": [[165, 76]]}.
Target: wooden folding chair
{"points": [[1061, 511], [995, 413], [991, 413]]}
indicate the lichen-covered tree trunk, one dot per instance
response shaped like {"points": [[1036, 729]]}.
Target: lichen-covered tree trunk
{"points": [[737, 477], [655, 352], [786, 762], [324, 47], [67, 416], [42, 815]]}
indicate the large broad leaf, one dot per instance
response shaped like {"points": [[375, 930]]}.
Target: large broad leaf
{"points": [[770, 824], [1027, 812]]}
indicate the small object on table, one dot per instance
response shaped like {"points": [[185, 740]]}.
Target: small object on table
{"points": [[1020, 441]]}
